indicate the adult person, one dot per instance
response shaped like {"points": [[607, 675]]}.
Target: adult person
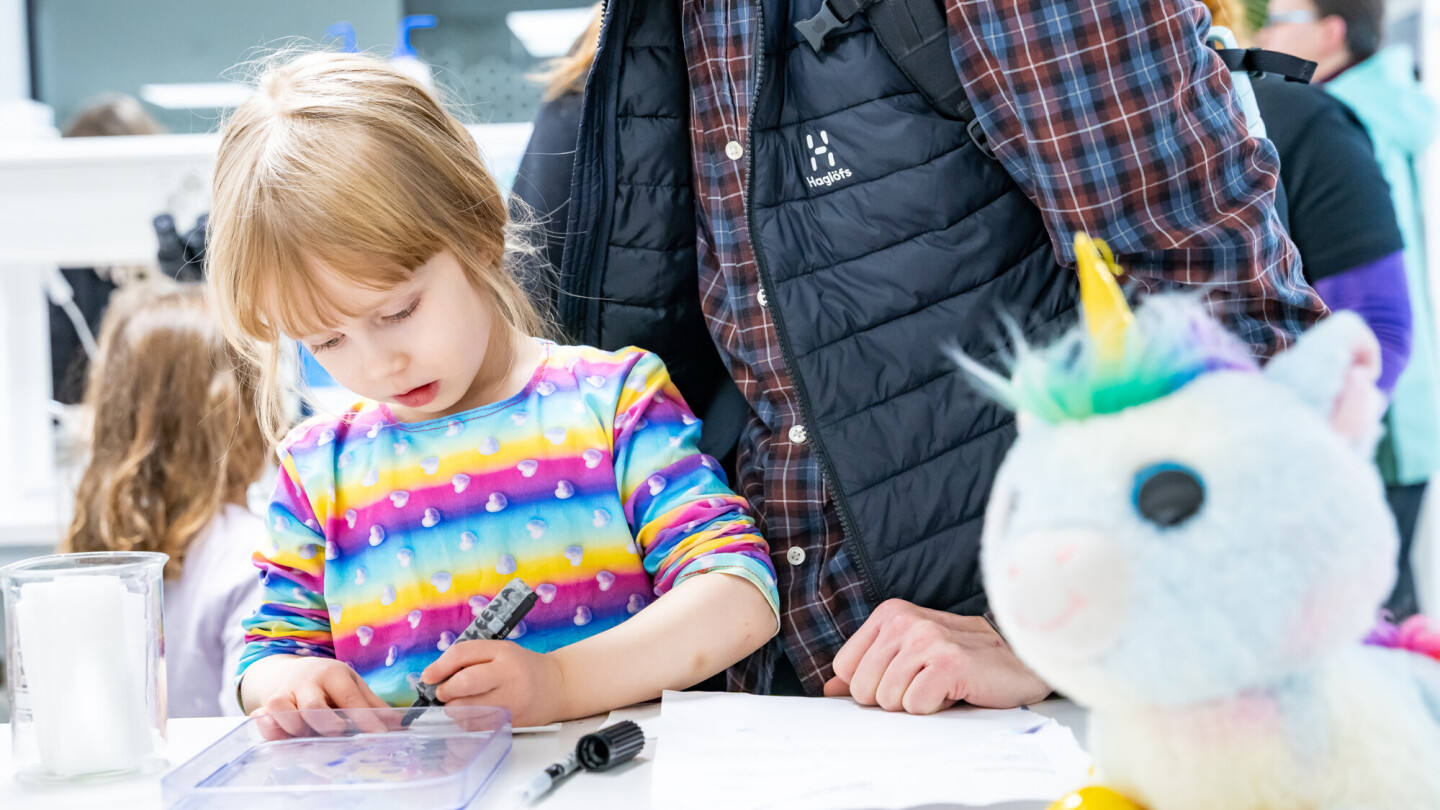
{"points": [[802, 208], [1344, 38]]}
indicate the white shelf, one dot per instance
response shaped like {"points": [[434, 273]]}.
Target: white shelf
{"points": [[35, 521]]}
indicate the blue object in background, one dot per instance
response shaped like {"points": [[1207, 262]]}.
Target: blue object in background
{"points": [[312, 373], [345, 32], [402, 38]]}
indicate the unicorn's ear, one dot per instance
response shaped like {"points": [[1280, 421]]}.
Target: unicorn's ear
{"points": [[1333, 368]]}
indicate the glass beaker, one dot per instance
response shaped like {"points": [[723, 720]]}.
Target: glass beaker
{"points": [[84, 650]]}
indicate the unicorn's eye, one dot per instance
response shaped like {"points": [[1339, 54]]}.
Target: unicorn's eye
{"points": [[1168, 494]]}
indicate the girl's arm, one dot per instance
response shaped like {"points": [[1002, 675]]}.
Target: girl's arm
{"points": [[718, 601], [293, 618], [700, 628], [289, 658]]}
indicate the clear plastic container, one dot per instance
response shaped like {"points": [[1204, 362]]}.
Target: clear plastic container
{"points": [[442, 760], [85, 652]]}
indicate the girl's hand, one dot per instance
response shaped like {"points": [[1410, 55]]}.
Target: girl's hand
{"points": [[504, 674], [316, 687]]}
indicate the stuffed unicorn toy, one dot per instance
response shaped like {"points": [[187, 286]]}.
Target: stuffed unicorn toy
{"points": [[1194, 548]]}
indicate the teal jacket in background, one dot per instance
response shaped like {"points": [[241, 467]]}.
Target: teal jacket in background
{"points": [[1401, 120]]}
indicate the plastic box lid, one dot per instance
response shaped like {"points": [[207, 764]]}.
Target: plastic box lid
{"points": [[442, 760]]}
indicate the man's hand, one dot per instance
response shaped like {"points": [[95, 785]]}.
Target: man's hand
{"points": [[913, 659], [501, 673]]}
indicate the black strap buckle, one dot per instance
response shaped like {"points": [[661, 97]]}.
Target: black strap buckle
{"points": [[1258, 60], [978, 136], [818, 27]]}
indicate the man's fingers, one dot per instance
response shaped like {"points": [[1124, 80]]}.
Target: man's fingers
{"points": [[837, 687], [459, 656], [871, 669], [854, 649], [472, 681], [931, 690], [896, 680]]}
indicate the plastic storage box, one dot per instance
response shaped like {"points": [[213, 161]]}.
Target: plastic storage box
{"points": [[442, 760]]}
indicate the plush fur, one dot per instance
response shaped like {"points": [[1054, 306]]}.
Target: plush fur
{"points": [[1222, 658]]}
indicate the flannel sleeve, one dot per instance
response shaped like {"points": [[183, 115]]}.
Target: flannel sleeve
{"points": [[1115, 118]]}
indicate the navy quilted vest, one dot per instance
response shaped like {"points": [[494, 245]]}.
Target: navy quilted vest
{"points": [[883, 235]]}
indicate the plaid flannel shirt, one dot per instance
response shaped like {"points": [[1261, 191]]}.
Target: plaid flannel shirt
{"points": [[1112, 117]]}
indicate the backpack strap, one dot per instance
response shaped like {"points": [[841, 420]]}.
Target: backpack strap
{"points": [[915, 35], [1257, 60]]}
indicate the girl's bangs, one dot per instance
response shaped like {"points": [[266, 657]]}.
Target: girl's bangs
{"points": [[305, 256]]}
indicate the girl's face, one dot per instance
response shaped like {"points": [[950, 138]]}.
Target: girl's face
{"points": [[425, 347]]}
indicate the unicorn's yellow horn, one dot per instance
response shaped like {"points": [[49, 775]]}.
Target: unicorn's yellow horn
{"points": [[1106, 314]]}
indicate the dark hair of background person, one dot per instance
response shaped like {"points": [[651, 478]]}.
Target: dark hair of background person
{"points": [[112, 114], [1364, 24]]}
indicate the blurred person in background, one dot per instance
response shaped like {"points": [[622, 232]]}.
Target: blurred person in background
{"points": [[174, 443], [113, 114], [1344, 224], [1344, 37]]}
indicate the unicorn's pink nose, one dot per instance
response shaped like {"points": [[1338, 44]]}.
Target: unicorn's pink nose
{"points": [[1067, 591]]}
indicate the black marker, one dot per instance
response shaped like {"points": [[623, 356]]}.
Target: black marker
{"points": [[495, 622], [600, 751]]}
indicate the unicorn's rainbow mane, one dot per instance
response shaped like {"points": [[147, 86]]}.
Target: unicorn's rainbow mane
{"points": [[1417, 634], [1172, 341]]}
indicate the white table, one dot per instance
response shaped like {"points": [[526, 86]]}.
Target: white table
{"points": [[626, 787]]}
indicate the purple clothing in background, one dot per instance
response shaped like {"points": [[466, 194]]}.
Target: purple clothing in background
{"points": [[218, 587], [1377, 292]]}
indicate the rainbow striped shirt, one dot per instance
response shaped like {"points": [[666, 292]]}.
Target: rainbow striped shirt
{"points": [[386, 538]]}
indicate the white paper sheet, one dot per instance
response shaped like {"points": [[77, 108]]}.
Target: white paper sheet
{"points": [[645, 715], [550, 729], [84, 659], [731, 750]]}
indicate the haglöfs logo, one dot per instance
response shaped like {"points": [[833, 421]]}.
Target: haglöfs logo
{"points": [[823, 170]]}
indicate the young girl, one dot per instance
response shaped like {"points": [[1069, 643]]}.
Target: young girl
{"points": [[174, 446], [352, 213]]}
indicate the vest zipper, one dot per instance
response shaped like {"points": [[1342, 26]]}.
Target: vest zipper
{"points": [[827, 470], [573, 310]]}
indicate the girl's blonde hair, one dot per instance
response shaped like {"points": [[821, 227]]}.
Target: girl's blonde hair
{"points": [[567, 74], [175, 435], [341, 164]]}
